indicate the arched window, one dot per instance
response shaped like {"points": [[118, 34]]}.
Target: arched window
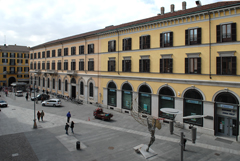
{"points": [[90, 89], [81, 88], [73, 80], [127, 96], [48, 83], [43, 82], [166, 100], [59, 84], [144, 100], [112, 95], [193, 105], [53, 83], [66, 86]]}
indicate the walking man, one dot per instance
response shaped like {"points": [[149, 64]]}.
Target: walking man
{"points": [[68, 116], [38, 115], [66, 128], [42, 114], [72, 126], [27, 96]]}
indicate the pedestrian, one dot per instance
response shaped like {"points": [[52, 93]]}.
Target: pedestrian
{"points": [[38, 115], [72, 126], [184, 143], [68, 116], [42, 114], [26, 96], [47, 92], [66, 128], [43, 91]]}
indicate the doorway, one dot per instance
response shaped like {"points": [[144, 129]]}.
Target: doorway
{"points": [[73, 91], [227, 126]]}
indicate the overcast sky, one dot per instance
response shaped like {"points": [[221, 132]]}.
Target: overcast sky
{"points": [[33, 22]]}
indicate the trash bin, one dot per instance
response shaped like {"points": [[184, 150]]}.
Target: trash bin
{"points": [[78, 145]]}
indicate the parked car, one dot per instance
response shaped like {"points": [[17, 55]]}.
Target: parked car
{"points": [[39, 96], [3, 103], [52, 102], [19, 93]]}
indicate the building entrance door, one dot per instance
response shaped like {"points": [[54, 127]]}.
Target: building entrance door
{"points": [[227, 126]]}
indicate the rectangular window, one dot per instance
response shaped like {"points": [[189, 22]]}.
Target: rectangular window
{"points": [[31, 65], [48, 54], [30, 54], [73, 65], [12, 62], [59, 65], [48, 65], [19, 76], [81, 49], [19, 69], [111, 65], [90, 65], [112, 46], [26, 76], [43, 54], [65, 51], [127, 44], [53, 53], [26, 61], [26, 55], [4, 60], [4, 69], [5, 55], [144, 42], [226, 32], [73, 50], [4, 76], [12, 70], [26, 69], [166, 65], [39, 55], [226, 65], [193, 65], [65, 65], [126, 65], [53, 65], [144, 65], [59, 52], [81, 64], [166, 39], [193, 36], [35, 65], [43, 65], [90, 48], [35, 55], [39, 65]]}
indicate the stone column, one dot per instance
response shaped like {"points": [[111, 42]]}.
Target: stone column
{"points": [[119, 99], [86, 93], [154, 105]]}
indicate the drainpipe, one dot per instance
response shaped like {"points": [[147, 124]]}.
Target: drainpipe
{"points": [[210, 74], [85, 54], [118, 51], [62, 64], [98, 95]]}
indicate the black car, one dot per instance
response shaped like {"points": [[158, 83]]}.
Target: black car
{"points": [[3, 103], [39, 96]]}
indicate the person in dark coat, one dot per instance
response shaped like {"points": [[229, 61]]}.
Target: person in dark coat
{"points": [[72, 126], [26, 96], [38, 115], [66, 128], [68, 116]]}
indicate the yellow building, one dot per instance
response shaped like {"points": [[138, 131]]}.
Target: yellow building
{"points": [[186, 60], [14, 64]]}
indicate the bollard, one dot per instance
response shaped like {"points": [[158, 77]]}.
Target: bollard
{"points": [[171, 127], [194, 134], [78, 147]]}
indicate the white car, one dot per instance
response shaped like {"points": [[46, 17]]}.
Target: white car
{"points": [[19, 93], [52, 102]]}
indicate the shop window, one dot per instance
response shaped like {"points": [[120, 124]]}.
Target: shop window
{"points": [[193, 36], [127, 44], [144, 100], [127, 97], [112, 94], [166, 99], [112, 46], [166, 39], [144, 42], [226, 32]]}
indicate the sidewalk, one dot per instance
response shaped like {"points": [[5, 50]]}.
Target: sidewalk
{"points": [[111, 140]]}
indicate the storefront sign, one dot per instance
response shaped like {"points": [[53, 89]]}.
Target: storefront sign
{"points": [[194, 102], [167, 98], [227, 106], [145, 95], [112, 90], [125, 92]]}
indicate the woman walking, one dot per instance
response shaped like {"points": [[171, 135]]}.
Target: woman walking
{"points": [[38, 115], [72, 126]]}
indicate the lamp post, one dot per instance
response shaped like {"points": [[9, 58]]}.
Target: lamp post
{"points": [[34, 121]]}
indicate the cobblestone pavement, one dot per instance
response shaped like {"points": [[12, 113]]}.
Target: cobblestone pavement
{"points": [[100, 140]]}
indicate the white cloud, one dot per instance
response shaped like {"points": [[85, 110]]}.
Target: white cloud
{"points": [[32, 22]]}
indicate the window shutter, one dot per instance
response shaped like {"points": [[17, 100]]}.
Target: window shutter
{"points": [[130, 44], [92, 65], [140, 42], [198, 65], [161, 65], [148, 42], [186, 65], [89, 65], [199, 35], [171, 38], [171, 65], [218, 29], [234, 65], [109, 68], [114, 65], [114, 49], [123, 45], [130, 66], [123, 65], [186, 37], [161, 40], [79, 65], [148, 65], [82, 65], [88, 49], [109, 46], [234, 32], [93, 48], [218, 65], [140, 65]]}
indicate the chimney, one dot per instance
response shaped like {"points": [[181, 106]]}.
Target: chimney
{"points": [[5, 45], [172, 8], [198, 3], [162, 10], [184, 5]]}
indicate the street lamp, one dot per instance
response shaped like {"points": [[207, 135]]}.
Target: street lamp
{"points": [[34, 121]]}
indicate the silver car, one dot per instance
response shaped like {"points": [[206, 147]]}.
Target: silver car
{"points": [[52, 102]]}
